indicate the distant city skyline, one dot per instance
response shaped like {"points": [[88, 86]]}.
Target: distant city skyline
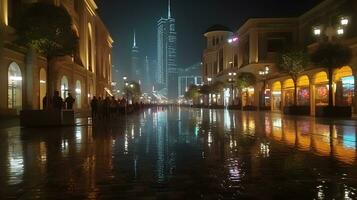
{"points": [[193, 18]]}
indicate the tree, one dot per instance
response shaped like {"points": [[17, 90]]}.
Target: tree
{"points": [[293, 63], [47, 29], [193, 93], [217, 87], [245, 80], [133, 90], [331, 56]]}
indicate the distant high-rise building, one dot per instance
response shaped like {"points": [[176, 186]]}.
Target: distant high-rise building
{"points": [[135, 61], [166, 55]]}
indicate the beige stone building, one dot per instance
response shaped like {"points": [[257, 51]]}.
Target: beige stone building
{"points": [[85, 74], [261, 39]]}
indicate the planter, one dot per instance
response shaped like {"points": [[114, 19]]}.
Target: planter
{"points": [[249, 108], [297, 110], [45, 118], [235, 107], [265, 108], [334, 111]]}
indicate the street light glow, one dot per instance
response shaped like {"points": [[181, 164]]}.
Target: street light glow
{"points": [[317, 31], [340, 31], [125, 78], [344, 21]]}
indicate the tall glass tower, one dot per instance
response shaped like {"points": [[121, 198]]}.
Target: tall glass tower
{"points": [[166, 55], [135, 61]]}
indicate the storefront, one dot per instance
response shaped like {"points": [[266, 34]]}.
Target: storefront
{"points": [[276, 96], [288, 92], [303, 84], [345, 85], [321, 89]]}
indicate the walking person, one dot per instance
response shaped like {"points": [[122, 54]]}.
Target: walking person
{"points": [[69, 102]]}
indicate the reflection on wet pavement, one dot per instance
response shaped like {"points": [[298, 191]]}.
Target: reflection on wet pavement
{"points": [[182, 153]]}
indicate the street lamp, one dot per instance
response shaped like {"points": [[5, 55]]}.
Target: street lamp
{"points": [[231, 80], [264, 74], [332, 31]]}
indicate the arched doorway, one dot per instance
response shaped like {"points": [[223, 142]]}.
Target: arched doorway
{"points": [[78, 94], [303, 84], [14, 87], [64, 87], [276, 96], [43, 86], [289, 92], [321, 89], [345, 85]]}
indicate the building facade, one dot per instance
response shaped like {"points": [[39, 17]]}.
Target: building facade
{"points": [[261, 39], [166, 55], [85, 74]]}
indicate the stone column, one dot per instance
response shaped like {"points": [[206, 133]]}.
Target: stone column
{"points": [[29, 81], [253, 47]]}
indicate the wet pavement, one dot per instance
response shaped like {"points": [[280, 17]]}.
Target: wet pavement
{"points": [[182, 153]]}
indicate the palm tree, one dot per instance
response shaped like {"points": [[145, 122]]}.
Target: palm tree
{"points": [[293, 63], [331, 56], [47, 29]]}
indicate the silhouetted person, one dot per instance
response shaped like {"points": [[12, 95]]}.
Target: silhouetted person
{"points": [[57, 101], [44, 102], [94, 106], [70, 101]]}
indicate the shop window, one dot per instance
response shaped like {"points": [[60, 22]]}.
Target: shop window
{"points": [[43, 86], [321, 89], [14, 87], [303, 90], [276, 96], [78, 94], [64, 87], [289, 92]]}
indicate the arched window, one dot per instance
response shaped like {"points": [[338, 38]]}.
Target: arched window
{"points": [[43, 86], [64, 87], [14, 87], [90, 51], [78, 94]]}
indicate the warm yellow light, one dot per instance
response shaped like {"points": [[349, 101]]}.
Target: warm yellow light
{"points": [[5, 11]]}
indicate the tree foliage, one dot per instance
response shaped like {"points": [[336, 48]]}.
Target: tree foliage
{"points": [[245, 80], [217, 87], [133, 89], [47, 29], [293, 62], [331, 55], [193, 92]]}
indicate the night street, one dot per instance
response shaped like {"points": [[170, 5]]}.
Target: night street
{"points": [[182, 153]]}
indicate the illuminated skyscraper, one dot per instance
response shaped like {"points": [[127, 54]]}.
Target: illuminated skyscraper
{"points": [[135, 61], [166, 55]]}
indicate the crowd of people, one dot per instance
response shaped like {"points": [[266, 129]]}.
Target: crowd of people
{"points": [[58, 103], [101, 108], [111, 108]]}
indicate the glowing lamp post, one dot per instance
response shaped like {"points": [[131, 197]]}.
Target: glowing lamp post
{"points": [[264, 74], [231, 80], [332, 31]]}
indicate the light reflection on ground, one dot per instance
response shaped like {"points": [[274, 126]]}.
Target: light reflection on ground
{"points": [[182, 153]]}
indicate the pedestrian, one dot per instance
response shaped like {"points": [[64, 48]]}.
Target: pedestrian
{"points": [[113, 107], [57, 101], [44, 102], [94, 107], [69, 102]]}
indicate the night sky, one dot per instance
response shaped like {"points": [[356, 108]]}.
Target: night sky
{"points": [[193, 17]]}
